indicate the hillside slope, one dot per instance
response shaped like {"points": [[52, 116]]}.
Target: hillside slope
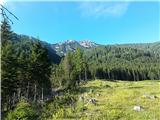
{"points": [[123, 63], [151, 47], [58, 50]]}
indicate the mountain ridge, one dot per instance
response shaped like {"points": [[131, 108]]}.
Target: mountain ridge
{"points": [[62, 48]]}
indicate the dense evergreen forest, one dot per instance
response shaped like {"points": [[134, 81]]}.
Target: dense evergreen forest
{"points": [[123, 63], [30, 73]]}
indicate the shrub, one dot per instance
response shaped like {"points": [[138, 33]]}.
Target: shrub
{"points": [[23, 111]]}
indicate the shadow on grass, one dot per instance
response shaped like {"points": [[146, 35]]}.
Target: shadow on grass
{"points": [[134, 87], [73, 117], [92, 89], [88, 89], [110, 80]]}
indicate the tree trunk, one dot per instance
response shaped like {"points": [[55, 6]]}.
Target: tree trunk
{"points": [[10, 102], [85, 74], [80, 77], [28, 91], [7, 105], [42, 93], [14, 97], [35, 92], [109, 75], [19, 94]]}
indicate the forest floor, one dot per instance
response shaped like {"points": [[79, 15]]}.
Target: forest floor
{"points": [[106, 100]]}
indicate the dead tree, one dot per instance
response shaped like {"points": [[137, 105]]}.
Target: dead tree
{"points": [[5, 12]]}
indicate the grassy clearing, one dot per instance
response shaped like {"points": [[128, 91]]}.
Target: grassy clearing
{"points": [[115, 100]]}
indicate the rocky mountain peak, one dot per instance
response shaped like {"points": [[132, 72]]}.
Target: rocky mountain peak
{"points": [[87, 43]]}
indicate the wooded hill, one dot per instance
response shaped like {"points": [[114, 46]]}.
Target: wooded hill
{"points": [[124, 62], [120, 61]]}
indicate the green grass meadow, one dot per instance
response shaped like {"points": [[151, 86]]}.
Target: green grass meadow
{"points": [[114, 101]]}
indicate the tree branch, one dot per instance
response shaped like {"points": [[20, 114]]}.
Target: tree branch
{"points": [[4, 10]]}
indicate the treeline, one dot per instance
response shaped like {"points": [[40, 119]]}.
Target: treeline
{"points": [[25, 70], [123, 63], [109, 62]]}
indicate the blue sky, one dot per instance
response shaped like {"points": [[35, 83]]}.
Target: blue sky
{"points": [[101, 22]]}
